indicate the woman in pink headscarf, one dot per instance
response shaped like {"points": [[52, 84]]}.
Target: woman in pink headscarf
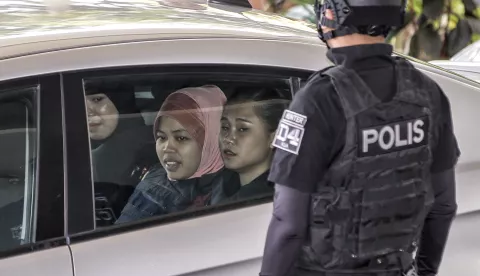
{"points": [[186, 130], [191, 171]]}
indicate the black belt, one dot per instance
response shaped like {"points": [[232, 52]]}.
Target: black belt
{"points": [[398, 265], [302, 272], [411, 271]]}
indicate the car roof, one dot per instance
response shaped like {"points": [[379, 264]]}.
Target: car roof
{"points": [[28, 27]]}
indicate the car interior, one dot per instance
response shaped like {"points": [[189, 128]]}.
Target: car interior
{"points": [[150, 93], [17, 142]]}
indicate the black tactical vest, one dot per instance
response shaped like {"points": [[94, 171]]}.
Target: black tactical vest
{"points": [[367, 213]]}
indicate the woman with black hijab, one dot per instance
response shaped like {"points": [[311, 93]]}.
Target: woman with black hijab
{"points": [[123, 147]]}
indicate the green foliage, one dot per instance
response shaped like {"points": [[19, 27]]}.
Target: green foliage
{"points": [[303, 2], [453, 11]]}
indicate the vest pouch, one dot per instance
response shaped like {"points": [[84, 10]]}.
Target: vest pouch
{"points": [[388, 217], [321, 202], [323, 227]]}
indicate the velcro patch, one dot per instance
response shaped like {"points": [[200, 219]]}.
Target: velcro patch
{"points": [[392, 137], [290, 132]]}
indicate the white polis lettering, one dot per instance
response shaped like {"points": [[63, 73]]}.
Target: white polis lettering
{"points": [[417, 129], [370, 136], [409, 136], [398, 141], [391, 136]]}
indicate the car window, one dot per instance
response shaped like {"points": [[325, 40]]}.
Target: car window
{"points": [[168, 143], [17, 166]]}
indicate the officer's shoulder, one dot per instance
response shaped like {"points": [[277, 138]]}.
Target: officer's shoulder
{"points": [[318, 85], [421, 79], [431, 87], [320, 75]]}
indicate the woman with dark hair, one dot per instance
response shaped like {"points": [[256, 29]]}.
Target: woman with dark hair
{"points": [[191, 171], [248, 126], [118, 133], [122, 146]]}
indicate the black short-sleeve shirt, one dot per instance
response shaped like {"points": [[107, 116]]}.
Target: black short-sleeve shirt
{"points": [[317, 122]]}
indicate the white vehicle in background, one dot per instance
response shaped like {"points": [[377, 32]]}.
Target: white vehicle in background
{"points": [[471, 53], [46, 164], [466, 62]]}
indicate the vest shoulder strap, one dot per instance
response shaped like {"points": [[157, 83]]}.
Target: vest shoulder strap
{"points": [[353, 92], [413, 87]]}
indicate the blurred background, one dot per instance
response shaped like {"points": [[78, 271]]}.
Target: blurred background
{"points": [[433, 29]]}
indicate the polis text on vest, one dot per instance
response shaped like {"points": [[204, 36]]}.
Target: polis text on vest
{"points": [[393, 136]]}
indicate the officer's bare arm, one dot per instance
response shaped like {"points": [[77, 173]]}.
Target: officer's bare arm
{"points": [[437, 224], [286, 232]]}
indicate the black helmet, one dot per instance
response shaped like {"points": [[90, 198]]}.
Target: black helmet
{"points": [[370, 17]]}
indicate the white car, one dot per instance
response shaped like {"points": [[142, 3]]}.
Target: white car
{"points": [[49, 224], [465, 63], [471, 53]]}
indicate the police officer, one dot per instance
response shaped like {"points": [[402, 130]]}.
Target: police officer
{"points": [[364, 166]]}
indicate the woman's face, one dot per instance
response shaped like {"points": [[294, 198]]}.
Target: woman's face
{"points": [[102, 116], [244, 139], [177, 150]]}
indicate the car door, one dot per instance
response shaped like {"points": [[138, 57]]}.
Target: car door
{"points": [[32, 240], [194, 241], [92, 249]]}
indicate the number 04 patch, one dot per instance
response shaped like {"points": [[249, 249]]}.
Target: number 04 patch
{"points": [[290, 132]]}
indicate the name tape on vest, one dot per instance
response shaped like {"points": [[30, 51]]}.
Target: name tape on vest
{"points": [[290, 131], [393, 137]]}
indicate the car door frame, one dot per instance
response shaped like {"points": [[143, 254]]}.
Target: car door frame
{"points": [[50, 169], [209, 50], [80, 198], [80, 211]]}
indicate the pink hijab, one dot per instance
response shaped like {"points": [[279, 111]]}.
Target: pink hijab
{"points": [[198, 110]]}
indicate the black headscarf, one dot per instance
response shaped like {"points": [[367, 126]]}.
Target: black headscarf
{"points": [[122, 96]]}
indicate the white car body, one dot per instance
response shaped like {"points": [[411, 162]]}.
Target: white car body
{"points": [[228, 242]]}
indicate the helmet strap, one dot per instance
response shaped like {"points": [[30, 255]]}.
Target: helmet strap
{"points": [[340, 31]]}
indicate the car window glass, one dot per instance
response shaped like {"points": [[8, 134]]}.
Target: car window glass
{"points": [[164, 144], [17, 166]]}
